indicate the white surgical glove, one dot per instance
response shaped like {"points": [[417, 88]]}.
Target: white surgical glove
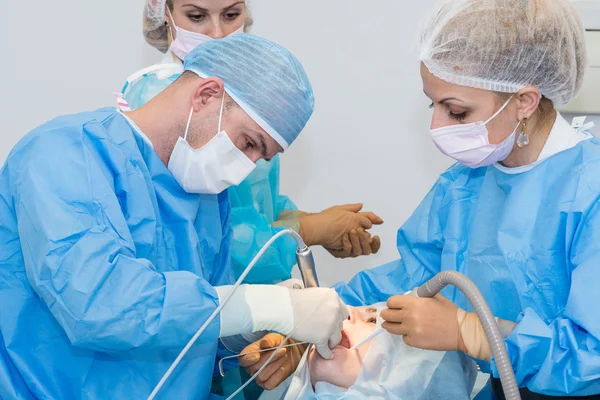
{"points": [[316, 313], [292, 284]]}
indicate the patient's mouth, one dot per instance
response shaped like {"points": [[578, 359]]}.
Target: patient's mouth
{"points": [[345, 342]]}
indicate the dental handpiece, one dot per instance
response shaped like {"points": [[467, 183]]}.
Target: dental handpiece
{"points": [[306, 264], [305, 261]]}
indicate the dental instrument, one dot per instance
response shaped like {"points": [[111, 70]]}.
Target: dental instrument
{"points": [[222, 371], [306, 264]]}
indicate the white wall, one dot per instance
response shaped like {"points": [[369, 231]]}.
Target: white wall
{"points": [[368, 139], [61, 57]]}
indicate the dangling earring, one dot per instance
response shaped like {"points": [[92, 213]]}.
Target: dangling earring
{"points": [[523, 139], [170, 31]]}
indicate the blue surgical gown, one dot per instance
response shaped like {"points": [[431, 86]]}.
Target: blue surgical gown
{"points": [[531, 243], [107, 266], [256, 203]]}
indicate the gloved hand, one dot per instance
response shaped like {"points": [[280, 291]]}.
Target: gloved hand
{"points": [[474, 340], [357, 243], [426, 323], [289, 219], [281, 367], [292, 284], [437, 324], [317, 314], [328, 227]]}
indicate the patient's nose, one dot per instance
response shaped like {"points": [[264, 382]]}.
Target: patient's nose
{"points": [[353, 315]]}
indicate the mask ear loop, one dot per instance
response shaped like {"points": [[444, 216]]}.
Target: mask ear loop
{"points": [[221, 112], [500, 110], [172, 22], [187, 127]]}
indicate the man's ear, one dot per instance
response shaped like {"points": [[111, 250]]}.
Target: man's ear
{"points": [[206, 90]]}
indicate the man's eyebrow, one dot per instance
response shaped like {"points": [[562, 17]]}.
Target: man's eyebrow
{"points": [[263, 144]]}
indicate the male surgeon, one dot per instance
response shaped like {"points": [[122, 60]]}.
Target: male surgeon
{"points": [[115, 234]]}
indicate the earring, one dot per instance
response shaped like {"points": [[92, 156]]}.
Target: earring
{"points": [[523, 139]]}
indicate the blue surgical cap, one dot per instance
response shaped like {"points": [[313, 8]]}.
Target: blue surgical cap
{"points": [[263, 78]]}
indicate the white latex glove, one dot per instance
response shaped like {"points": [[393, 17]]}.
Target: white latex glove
{"points": [[292, 284], [316, 313], [319, 315]]}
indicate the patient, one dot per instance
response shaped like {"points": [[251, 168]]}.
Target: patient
{"points": [[343, 370], [383, 368]]}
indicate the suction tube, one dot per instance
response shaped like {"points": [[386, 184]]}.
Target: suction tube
{"points": [[492, 331]]}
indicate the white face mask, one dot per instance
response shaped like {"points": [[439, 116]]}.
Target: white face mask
{"points": [[186, 41], [212, 168], [469, 144]]}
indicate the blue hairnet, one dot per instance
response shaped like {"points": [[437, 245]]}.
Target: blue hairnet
{"points": [[264, 78]]}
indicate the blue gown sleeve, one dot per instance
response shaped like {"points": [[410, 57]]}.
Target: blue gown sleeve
{"points": [[562, 357], [80, 258], [419, 242], [222, 271], [252, 229]]}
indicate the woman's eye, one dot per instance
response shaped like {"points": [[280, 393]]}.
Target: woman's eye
{"points": [[232, 15], [249, 144], [458, 117], [196, 17], [431, 105], [372, 320]]}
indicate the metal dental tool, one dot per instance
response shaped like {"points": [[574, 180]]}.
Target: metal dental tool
{"points": [[222, 371], [306, 265]]}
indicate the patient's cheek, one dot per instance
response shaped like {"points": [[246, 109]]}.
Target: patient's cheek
{"points": [[342, 371]]}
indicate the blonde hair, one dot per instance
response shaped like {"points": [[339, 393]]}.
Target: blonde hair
{"points": [[158, 37]]}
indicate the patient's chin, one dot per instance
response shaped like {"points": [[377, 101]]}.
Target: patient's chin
{"points": [[342, 371]]}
